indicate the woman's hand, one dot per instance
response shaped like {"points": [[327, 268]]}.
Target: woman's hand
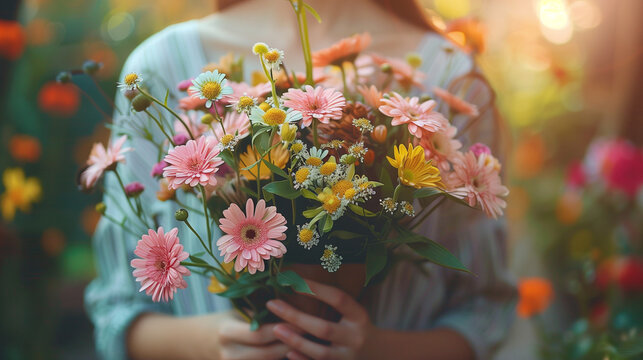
{"points": [[348, 337], [235, 341]]}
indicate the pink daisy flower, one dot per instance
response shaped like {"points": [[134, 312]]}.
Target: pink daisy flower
{"points": [[455, 103], [243, 89], [252, 237], [346, 49], [192, 102], [101, 159], [478, 180], [372, 96], [233, 122], [420, 117], [403, 73], [441, 147], [159, 268], [194, 163], [319, 103]]}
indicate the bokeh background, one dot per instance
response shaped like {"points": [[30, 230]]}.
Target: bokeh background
{"points": [[568, 77]]}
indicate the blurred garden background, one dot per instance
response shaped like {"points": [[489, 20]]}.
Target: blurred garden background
{"points": [[568, 77]]}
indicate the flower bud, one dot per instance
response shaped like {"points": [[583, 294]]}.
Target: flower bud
{"points": [[207, 119], [157, 170], [369, 157], [134, 189], [130, 94], [414, 60], [141, 103], [101, 208], [181, 215], [386, 68], [288, 132], [260, 48], [379, 134], [180, 139], [91, 67], [425, 98], [348, 159], [63, 77]]}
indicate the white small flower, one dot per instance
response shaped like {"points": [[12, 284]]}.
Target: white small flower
{"points": [[331, 261], [228, 142], [333, 144], [130, 82], [274, 58], [388, 205], [358, 150], [307, 236], [210, 86], [364, 125], [304, 177], [299, 149], [244, 104], [274, 116], [407, 208], [315, 156]]}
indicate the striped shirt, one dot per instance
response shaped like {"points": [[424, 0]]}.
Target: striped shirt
{"points": [[411, 298]]}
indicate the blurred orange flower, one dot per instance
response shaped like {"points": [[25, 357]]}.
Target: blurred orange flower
{"points": [[24, 148], [12, 39], [569, 207], [59, 99], [529, 156], [469, 33], [535, 295]]}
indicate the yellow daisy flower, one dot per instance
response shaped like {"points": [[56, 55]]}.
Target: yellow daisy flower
{"points": [[412, 168], [20, 192], [278, 156]]}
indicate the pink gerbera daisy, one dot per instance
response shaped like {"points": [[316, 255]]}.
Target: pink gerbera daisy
{"points": [[455, 103], [252, 237], [234, 123], [441, 147], [194, 163], [159, 268], [372, 96], [420, 117], [403, 73], [101, 159], [319, 103], [477, 179], [243, 89], [346, 49]]}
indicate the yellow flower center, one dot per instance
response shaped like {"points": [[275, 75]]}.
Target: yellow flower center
{"points": [[211, 90], [341, 187], [349, 194], [226, 139], [357, 149], [328, 168], [301, 175], [274, 116], [305, 235], [130, 79], [314, 161], [364, 186], [363, 123], [297, 147], [271, 56], [264, 106], [245, 102], [328, 253], [408, 207], [331, 204]]}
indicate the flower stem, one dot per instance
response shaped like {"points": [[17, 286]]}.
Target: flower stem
{"points": [[149, 96], [275, 98], [302, 21], [428, 213], [315, 135], [120, 181], [160, 127], [207, 218]]}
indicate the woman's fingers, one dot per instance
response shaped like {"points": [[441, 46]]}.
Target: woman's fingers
{"points": [[311, 324], [294, 355], [341, 301], [236, 331], [274, 351], [301, 345]]}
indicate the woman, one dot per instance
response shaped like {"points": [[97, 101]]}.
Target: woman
{"points": [[412, 315]]}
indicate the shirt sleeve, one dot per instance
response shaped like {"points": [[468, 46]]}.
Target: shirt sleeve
{"points": [[112, 299]]}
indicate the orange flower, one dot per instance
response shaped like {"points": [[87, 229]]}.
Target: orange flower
{"points": [[535, 296], [346, 49], [24, 148], [12, 39], [468, 33], [59, 99]]}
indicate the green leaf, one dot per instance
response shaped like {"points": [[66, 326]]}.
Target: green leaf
{"points": [[295, 81], [311, 213], [438, 254], [238, 290], [167, 95], [292, 279], [328, 224], [426, 192], [282, 188], [227, 157], [197, 259], [376, 257], [361, 211], [250, 192], [313, 12], [308, 194], [385, 178], [275, 169]]}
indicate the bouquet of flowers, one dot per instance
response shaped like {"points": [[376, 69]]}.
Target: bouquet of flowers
{"points": [[336, 165]]}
